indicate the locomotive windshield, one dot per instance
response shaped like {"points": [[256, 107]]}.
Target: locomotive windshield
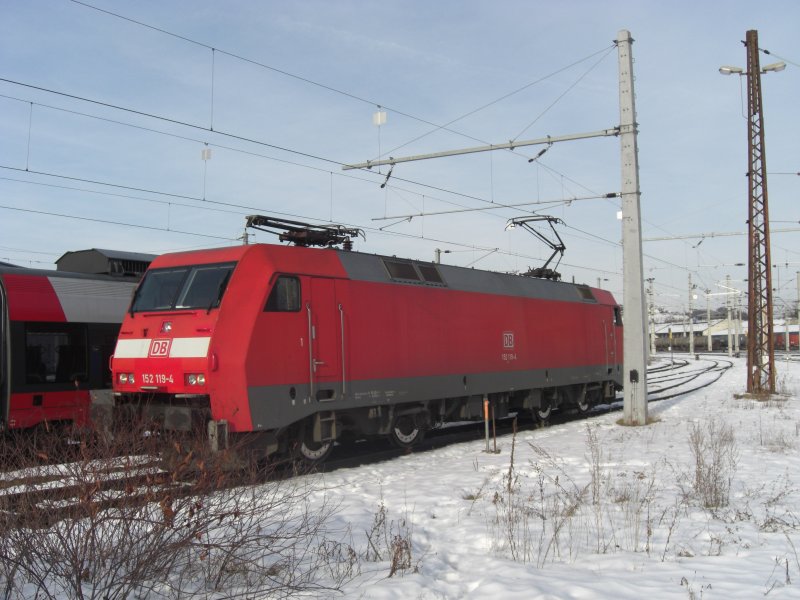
{"points": [[174, 288]]}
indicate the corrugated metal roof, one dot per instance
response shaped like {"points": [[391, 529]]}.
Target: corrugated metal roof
{"points": [[114, 254]]}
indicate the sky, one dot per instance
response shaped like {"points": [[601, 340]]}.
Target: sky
{"points": [[104, 119]]}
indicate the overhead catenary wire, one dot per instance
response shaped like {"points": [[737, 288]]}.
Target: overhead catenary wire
{"points": [[240, 138], [791, 62], [564, 93], [496, 206], [210, 129], [120, 223], [380, 230], [247, 208], [221, 133], [220, 146], [283, 71], [496, 101], [207, 143], [606, 51], [251, 208], [266, 66]]}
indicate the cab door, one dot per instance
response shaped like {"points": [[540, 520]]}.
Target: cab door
{"points": [[326, 342]]}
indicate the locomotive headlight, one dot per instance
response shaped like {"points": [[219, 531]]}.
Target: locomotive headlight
{"points": [[130, 378], [195, 379], [123, 378]]}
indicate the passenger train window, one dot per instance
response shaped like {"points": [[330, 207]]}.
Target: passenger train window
{"points": [[55, 353], [285, 295], [617, 315]]}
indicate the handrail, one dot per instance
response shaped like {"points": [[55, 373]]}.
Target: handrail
{"points": [[310, 354]]}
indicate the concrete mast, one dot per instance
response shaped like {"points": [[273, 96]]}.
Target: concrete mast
{"points": [[635, 318]]}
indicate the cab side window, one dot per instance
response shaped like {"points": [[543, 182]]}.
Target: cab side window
{"points": [[285, 295]]}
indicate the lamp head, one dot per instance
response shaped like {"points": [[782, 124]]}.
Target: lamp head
{"points": [[778, 66]]}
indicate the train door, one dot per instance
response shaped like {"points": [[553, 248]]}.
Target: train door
{"points": [[610, 339], [614, 342], [325, 352], [5, 366]]}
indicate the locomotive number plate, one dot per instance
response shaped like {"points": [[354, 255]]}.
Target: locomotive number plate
{"points": [[157, 378]]}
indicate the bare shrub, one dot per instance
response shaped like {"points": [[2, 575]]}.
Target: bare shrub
{"points": [[716, 455], [554, 515], [775, 437], [533, 526], [595, 460], [121, 525]]}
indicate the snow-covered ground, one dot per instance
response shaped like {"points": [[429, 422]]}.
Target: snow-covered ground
{"points": [[590, 509]]}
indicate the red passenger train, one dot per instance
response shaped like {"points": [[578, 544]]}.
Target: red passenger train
{"points": [[305, 346], [57, 333]]}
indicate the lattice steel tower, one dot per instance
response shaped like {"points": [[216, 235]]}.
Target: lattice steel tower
{"points": [[760, 339]]}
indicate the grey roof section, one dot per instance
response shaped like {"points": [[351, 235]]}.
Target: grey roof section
{"points": [[370, 267], [100, 261], [93, 300]]}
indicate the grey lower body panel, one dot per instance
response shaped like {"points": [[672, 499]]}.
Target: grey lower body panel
{"points": [[276, 407]]}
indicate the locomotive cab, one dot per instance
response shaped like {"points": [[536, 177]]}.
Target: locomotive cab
{"points": [[163, 349]]}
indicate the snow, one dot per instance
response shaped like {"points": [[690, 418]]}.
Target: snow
{"points": [[614, 517], [587, 509]]}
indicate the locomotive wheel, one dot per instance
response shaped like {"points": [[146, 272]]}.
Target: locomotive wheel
{"points": [[584, 405], [314, 452], [544, 411], [405, 432]]}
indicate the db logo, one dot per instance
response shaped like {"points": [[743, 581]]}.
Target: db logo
{"points": [[160, 347], [508, 339]]}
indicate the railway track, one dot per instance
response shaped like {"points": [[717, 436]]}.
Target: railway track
{"points": [[39, 497], [683, 375], [671, 380], [44, 496]]}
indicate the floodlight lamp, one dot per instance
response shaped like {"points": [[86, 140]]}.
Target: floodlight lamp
{"points": [[778, 66], [727, 70], [510, 225]]}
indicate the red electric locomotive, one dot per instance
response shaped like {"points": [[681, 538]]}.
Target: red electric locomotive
{"points": [[57, 333], [305, 346]]}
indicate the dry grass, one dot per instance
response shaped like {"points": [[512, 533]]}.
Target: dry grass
{"points": [[191, 529]]}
